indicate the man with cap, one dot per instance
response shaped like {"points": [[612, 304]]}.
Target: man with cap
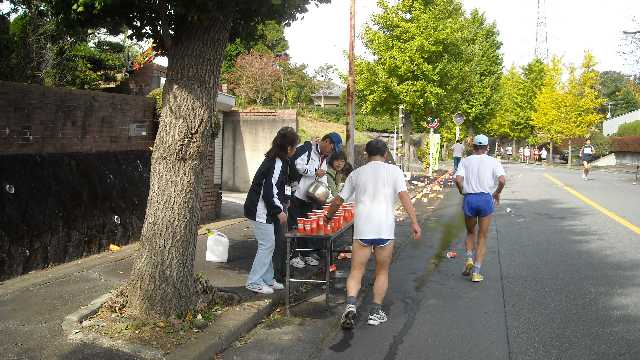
{"points": [[311, 165], [480, 179]]}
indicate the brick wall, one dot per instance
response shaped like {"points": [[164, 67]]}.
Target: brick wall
{"points": [[38, 120], [74, 174]]}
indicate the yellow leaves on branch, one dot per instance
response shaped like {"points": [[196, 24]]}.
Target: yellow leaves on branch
{"points": [[567, 106]]}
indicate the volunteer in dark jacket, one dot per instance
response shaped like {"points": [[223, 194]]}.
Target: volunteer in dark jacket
{"points": [[264, 207]]}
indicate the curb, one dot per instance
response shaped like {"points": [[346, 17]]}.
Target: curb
{"points": [[73, 322], [226, 329], [223, 332]]}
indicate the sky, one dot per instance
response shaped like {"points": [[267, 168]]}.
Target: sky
{"points": [[573, 26]]}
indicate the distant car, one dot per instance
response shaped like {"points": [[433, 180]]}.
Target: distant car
{"points": [[564, 156]]}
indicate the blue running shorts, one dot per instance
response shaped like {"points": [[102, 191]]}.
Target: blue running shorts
{"points": [[374, 242], [478, 205]]}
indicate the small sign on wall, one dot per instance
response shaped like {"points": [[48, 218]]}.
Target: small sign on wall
{"points": [[137, 129]]}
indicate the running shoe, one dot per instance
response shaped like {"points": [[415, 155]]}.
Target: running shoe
{"points": [[476, 277], [260, 288], [276, 285], [311, 261], [468, 266], [348, 320], [297, 262], [377, 318]]}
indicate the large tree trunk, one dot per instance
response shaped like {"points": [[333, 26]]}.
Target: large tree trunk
{"points": [[162, 282]]}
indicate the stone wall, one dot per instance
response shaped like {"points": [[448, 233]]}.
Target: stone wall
{"points": [[59, 207], [74, 174]]}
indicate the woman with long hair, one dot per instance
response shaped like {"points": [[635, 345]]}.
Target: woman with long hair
{"points": [[264, 208]]}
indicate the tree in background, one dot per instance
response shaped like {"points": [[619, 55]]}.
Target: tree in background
{"points": [[323, 77], [516, 102], [569, 109], [295, 85], [620, 90], [193, 34], [268, 39], [255, 77], [39, 50], [434, 59]]}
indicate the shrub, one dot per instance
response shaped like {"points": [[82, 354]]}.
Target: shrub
{"points": [[629, 129], [156, 95]]}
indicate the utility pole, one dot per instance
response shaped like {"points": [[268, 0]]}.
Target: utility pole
{"points": [[351, 113]]}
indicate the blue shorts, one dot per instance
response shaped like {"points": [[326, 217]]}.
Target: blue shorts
{"points": [[375, 242], [477, 205]]}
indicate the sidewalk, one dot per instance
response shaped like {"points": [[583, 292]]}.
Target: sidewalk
{"points": [[33, 306]]}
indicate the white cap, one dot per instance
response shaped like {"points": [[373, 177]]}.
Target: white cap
{"points": [[481, 140]]}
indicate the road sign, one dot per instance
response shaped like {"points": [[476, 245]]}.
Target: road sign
{"points": [[458, 119], [433, 123]]}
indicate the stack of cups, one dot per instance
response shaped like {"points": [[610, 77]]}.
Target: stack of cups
{"points": [[301, 229]]}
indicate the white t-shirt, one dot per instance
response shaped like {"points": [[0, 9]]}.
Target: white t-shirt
{"points": [[480, 174], [374, 187], [458, 150], [543, 153], [527, 152]]}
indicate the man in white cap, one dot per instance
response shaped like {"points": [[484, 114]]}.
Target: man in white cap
{"points": [[480, 179]]}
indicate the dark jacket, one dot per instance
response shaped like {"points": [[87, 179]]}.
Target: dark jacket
{"points": [[267, 193]]}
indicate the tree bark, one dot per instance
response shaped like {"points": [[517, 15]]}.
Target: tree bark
{"points": [[162, 282]]}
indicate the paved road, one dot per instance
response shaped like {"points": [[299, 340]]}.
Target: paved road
{"points": [[562, 282]]}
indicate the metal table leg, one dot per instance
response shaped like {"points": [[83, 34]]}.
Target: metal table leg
{"points": [[287, 276], [328, 252]]}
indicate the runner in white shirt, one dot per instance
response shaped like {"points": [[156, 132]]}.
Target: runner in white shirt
{"points": [[480, 178], [586, 153], [458, 152], [375, 187]]}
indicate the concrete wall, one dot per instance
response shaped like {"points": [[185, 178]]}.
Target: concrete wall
{"points": [[247, 137], [627, 158]]}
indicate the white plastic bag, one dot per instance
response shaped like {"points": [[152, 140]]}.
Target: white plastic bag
{"points": [[217, 246]]}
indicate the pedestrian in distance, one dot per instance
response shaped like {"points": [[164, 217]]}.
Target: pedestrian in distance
{"points": [[586, 154], [458, 152], [264, 207], [480, 179], [509, 152], [521, 154], [308, 164], [375, 188], [527, 154], [543, 154]]}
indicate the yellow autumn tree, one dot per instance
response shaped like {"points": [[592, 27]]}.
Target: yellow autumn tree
{"points": [[568, 109]]}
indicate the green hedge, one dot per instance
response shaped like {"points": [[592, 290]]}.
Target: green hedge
{"points": [[629, 129], [364, 122]]}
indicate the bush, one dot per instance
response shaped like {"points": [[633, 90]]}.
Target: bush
{"points": [[156, 95], [629, 129], [364, 122]]}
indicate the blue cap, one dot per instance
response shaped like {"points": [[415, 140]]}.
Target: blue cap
{"points": [[481, 140], [336, 140]]}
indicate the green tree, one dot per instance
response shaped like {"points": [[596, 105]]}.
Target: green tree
{"points": [[255, 77], [434, 59], [193, 34], [268, 39], [295, 85], [620, 90]]}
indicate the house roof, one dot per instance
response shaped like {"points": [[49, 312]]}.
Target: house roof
{"points": [[335, 90]]}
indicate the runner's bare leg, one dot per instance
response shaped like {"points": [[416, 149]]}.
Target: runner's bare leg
{"points": [[481, 250], [384, 255], [470, 223], [359, 258]]}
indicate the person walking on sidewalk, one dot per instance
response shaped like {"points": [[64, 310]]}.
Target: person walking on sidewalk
{"points": [[375, 187], [480, 179], [586, 154], [308, 164], [458, 152], [264, 207]]}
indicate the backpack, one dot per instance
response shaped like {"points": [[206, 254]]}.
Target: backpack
{"points": [[305, 148]]}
